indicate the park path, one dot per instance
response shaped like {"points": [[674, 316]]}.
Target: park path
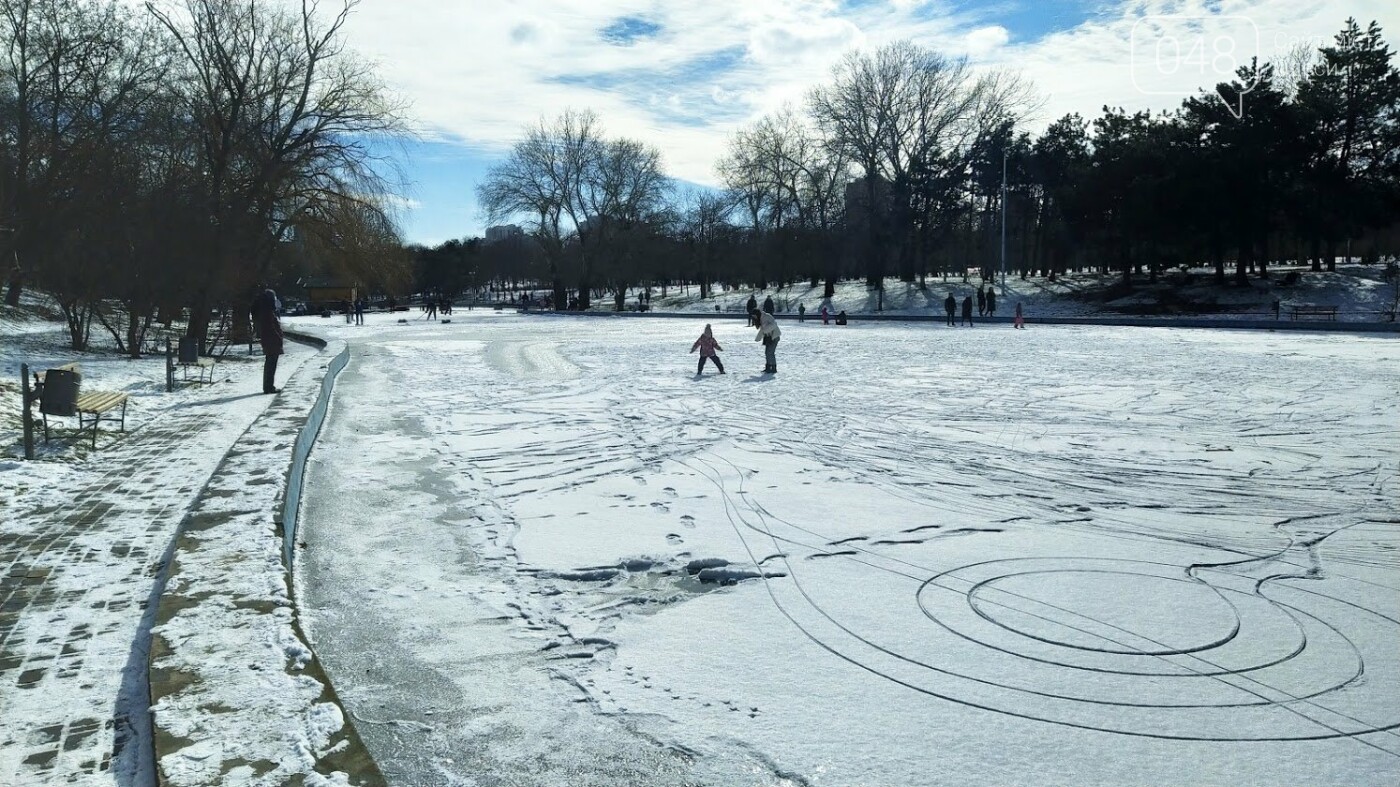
{"points": [[79, 578]]}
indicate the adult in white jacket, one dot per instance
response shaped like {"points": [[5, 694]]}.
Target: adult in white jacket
{"points": [[768, 333]]}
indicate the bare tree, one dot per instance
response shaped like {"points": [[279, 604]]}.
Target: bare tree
{"points": [[286, 117], [792, 184], [901, 114], [575, 186], [540, 180]]}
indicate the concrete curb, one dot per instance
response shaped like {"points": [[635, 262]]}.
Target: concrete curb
{"points": [[254, 708]]}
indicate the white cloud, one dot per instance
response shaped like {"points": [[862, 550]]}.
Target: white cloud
{"points": [[984, 40], [481, 75], [779, 45]]}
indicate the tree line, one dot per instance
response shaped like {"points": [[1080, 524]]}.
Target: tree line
{"points": [[167, 160], [905, 162]]}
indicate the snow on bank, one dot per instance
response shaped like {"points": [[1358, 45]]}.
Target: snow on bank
{"points": [[234, 703], [1358, 291], [35, 335]]}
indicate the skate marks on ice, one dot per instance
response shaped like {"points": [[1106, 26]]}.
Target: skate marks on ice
{"points": [[1241, 649]]}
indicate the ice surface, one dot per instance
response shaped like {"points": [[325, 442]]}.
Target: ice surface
{"points": [[1071, 555]]}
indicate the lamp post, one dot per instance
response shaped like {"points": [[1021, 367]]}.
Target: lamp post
{"points": [[1003, 222]]}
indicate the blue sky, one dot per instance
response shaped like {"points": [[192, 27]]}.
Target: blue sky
{"points": [[683, 76]]}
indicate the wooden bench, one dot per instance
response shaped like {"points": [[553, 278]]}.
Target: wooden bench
{"points": [[188, 356], [1314, 310], [59, 393]]}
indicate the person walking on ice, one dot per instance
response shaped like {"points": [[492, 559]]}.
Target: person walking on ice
{"points": [[707, 346], [950, 306], [967, 311], [769, 333], [991, 302], [1020, 322]]}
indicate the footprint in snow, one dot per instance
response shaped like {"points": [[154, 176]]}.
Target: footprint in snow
{"points": [[670, 492], [674, 539], [688, 520], [661, 505]]}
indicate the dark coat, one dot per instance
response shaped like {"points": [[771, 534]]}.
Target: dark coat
{"points": [[768, 304], [967, 306], [950, 304], [265, 322]]}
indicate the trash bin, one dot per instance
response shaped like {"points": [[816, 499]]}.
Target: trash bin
{"points": [[60, 394], [189, 349]]}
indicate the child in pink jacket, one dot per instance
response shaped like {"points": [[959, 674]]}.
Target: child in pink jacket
{"points": [[707, 346]]}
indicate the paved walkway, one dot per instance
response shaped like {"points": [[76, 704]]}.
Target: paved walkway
{"points": [[78, 582]]}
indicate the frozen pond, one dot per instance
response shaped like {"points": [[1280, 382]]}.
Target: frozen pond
{"points": [[541, 551]]}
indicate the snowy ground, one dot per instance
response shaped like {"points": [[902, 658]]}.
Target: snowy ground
{"points": [[1068, 555], [1359, 292], [97, 526]]}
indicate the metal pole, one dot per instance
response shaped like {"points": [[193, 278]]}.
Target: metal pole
{"points": [[1003, 222], [28, 416]]}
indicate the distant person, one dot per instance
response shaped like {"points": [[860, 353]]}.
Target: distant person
{"points": [[752, 310], [1277, 305], [981, 301], [769, 333], [768, 304], [950, 306], [967, 311], [825, 313], [1020, 321], [431, 305], [991, 302], [801, 312], [359, 311], [269, 328], [707, 345], [841, 317]]}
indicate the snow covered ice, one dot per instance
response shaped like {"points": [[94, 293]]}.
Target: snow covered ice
{"points": [[541, 550]]}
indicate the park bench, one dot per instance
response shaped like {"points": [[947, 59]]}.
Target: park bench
{"points": [[188, 356], [59, 393], [1313, 310]]}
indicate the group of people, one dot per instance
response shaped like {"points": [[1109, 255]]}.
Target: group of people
{"points": [[432, 307], [753, 310], [768, 332], [986, 307], [355, 311]]}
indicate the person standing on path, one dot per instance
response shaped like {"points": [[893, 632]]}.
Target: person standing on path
{"points": [[707, 345], [768, 305], [269, 328], [825, 313], [967, 311], [769, 333], [991, 302], [950, 305], [359, 311], [981, 301], [801, 312], [1019, 321], [752, 309]]}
